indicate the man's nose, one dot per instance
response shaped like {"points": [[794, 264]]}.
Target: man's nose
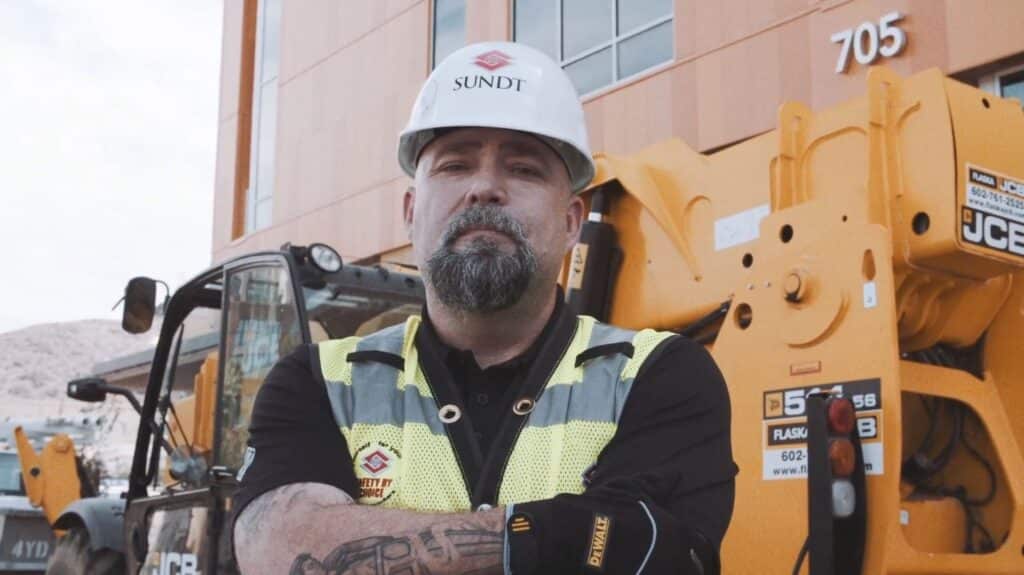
{"points": [[487, 187]]}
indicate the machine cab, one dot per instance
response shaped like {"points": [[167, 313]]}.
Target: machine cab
{"points": [[239, 319]]}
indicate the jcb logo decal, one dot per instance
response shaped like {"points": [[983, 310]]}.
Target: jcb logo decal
{"points": [[993, 232], [177, 564], [773, 404]]}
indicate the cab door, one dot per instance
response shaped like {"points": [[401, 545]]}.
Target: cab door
{"points": [[263, 320], [170, 529], [182, 526]]}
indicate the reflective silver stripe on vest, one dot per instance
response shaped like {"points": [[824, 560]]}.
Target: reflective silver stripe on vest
{"points": [[610, 369], [563, 403], [603, 373], [376, 399], [601, 395]]}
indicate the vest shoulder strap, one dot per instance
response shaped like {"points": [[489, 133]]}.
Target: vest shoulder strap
{"points": [[388, 340], [644, 344], [373, 355], [607, 340], [603, 340], [385, 346], [623, 347]]}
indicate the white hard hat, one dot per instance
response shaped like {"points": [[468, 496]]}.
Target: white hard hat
{"points": [[501, 85]]}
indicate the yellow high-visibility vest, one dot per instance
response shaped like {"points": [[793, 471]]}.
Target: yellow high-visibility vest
{"points": [[400, 439]]}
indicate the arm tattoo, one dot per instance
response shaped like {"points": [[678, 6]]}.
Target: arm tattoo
{"points": [[437, 549], [430, 542], [248, 525], [290, 521], [291, 498]]}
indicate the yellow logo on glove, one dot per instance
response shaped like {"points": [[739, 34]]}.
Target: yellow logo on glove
{"points": [[599, 540]]}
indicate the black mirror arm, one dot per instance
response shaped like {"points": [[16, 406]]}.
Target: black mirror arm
{"points": [[167, 296], [125, 393], [134, 401]]}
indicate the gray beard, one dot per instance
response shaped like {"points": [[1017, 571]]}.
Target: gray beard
{"points": [[480, 278]]}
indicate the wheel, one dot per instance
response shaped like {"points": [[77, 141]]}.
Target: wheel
{"points": [[72, 556]]}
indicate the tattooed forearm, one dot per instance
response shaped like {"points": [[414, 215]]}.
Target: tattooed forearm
{"points": [[312, 528], [476, 542], [430, 542], [251, 526], [465, 548]]}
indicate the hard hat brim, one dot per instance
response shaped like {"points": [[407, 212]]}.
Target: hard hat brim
{"points": [[579, 165]]}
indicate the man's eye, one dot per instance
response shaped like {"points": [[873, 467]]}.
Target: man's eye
{"points": [[524, 170], [452, 167]]}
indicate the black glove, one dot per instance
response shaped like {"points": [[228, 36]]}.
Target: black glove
{"points": [[607, 535]]}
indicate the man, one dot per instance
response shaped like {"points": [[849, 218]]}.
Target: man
{"points": [[498, 433]]}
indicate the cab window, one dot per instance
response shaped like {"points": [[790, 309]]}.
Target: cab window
{"points": [[10, 475], [188, 389], [334, 314], [262, 326]]}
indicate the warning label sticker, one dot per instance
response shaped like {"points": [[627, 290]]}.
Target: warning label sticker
{"points": [[740, 228], [785, 427], [992, 215], [577, 266]]}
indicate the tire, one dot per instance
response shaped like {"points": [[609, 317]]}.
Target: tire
{"points": [[72, 556]]}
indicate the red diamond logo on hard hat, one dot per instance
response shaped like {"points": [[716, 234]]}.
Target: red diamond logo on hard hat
{"points": [[493, 60], [376, 462]]}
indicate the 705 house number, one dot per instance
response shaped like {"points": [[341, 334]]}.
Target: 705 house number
{"points": [[868, 41]]}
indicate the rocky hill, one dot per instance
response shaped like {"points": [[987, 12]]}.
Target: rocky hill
{"points": [[36, 362], [35, 365]]}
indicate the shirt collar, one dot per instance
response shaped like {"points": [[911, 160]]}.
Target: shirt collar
{"points": [[451, 355]]}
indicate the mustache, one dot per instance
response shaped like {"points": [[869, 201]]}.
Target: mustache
{"points": [[482, 277], [489, 218]]}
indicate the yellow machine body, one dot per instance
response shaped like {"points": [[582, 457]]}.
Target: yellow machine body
{"points": [[190, 427], [193, 423], [847, 240], [51, 475]]}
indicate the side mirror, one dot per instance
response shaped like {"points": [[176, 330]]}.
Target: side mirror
{"points": [[139, 305], [89, 389], [95, 389]]}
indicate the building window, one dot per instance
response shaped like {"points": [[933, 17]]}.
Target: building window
{"points": [[1008, 83], [259, 197], [449, 28], [598, 42]]}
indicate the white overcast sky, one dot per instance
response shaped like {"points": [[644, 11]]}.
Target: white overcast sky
{"points": [[108, 127]]}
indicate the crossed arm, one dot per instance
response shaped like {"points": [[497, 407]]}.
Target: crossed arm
{"points": [[313, 529], [316, 528]]}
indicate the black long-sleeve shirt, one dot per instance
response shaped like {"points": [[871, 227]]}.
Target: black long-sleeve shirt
{"points": [[672, 443]]}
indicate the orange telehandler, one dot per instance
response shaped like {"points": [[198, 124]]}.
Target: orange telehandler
{"points": [[873, 250], [857, 273]]}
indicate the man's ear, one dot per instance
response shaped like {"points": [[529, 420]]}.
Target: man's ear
{"points": [[408, 207], [573, 221]]}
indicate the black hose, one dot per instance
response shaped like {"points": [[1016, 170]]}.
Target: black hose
{"points": [[917, 471], [989, 470], [802, 555], [942, 459], [921, 466], [716, 314], [932, 424]]}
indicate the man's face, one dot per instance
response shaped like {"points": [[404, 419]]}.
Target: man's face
{"points": [[490, 214]]}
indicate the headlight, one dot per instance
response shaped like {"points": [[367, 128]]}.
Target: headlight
{"points": [[324, 258]]}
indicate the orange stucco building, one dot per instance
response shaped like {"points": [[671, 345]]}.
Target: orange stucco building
{"points": [[313, 93]]}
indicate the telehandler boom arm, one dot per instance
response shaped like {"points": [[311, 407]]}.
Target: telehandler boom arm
{"points": [[873, 250]]}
